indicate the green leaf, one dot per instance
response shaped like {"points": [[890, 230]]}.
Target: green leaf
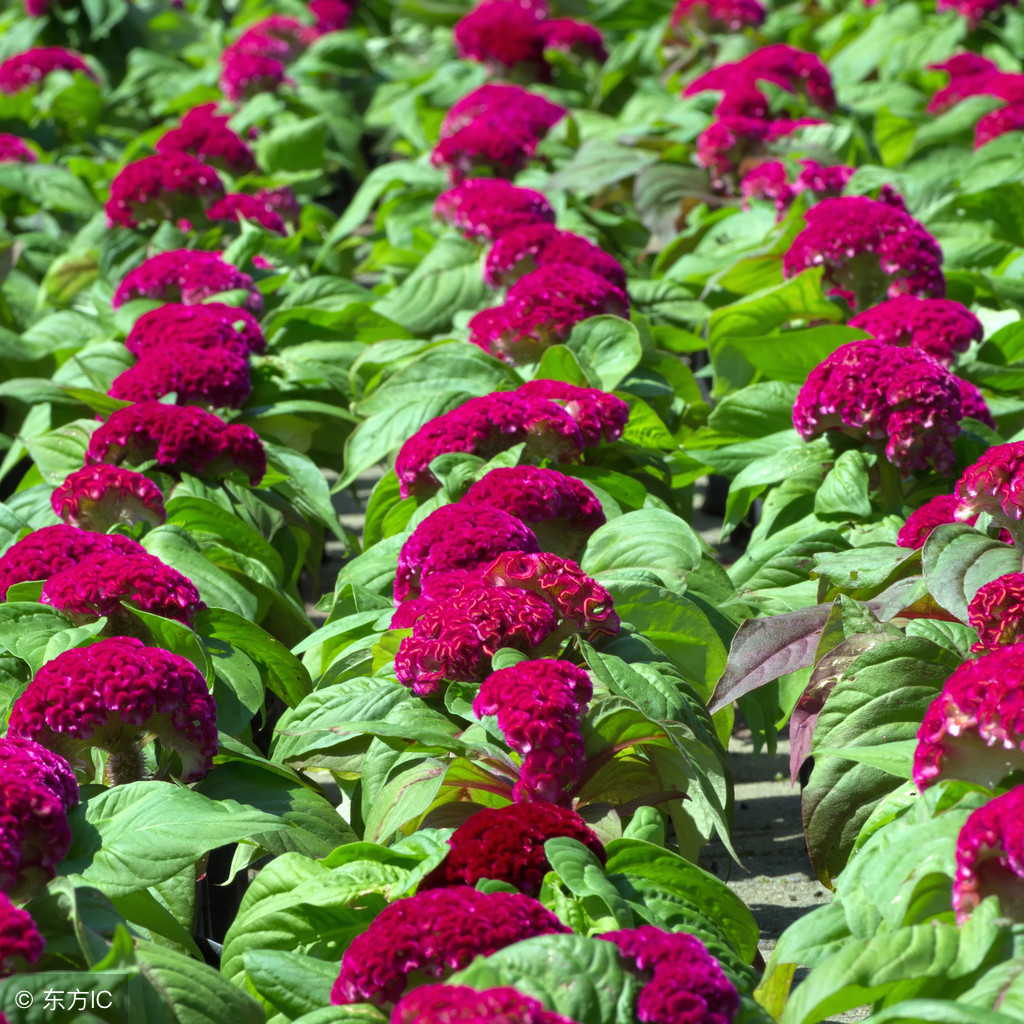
{"points": [[598, 164], [939, 1011], [895, 757], [607, 347], [295, 146], [292, 983], [791, 355], [28, 629], [844, 491]]}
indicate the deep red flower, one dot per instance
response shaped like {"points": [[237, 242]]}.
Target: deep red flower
{"points": [[331, 15], [600, 415], [174, 188], [937, 512], [523, 249], [512, 102], [715, 16], [999, 122], [205, 134], [244, 75], [973, 403], [995, 484], [235, 205], [940, 327], [20, 942], [990, 857], [505, 36], [209, 325], [40, 765], [997, 612], [487, 207], [26, 69], [456, 1004], [975, 11], [578, 38], [1003, 85], [99, 497], [492, 143], [211, 377], [278, 36], [34, 833], [13, 150]]}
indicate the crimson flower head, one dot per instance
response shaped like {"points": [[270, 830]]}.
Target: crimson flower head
{"points": [[504, 35], [236, 205], [457, 536], [488, 425], [939, 327], [541, 310], [881, 393], [962, 65], [99, 497], [600, 415], [34, 833], [539, 706], [26, 69], [487, 207], [824, 181], [20, 941], [577, 38], [49, 550], [244, 75], [937, 512], [513, 102], [507, 844], [768, 180], [436, 933], [205, 134], [973, 403], [210, 325], [492, 143], [715, 16], [175, 188], [180, 438], [683, 982], [870, 249], [997, 612], [278, 36], [457, 1004], [525, 248], [1003, 85], [974, 11], [974, 729], [211, 377], [331, 15], [188, 276], [14, 151], [561, 511], [990, 857], [113, 694], [41, 765], [995, 484], [999, 122]]}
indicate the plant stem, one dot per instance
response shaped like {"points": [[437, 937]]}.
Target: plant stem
{"points": [[890, 485], [125, 765]]}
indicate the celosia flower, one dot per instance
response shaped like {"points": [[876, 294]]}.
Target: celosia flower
{"points": [[937, 512], [205, 134], [26, 69], [244, 75], [598, 413], [539, 706], [999, 122], [512, 102], [187, 276], [34, 833], [823, 181], [99, 584], [961, 65], [278, 36], [715, 16], [870, 250], [282, 201], [990, 857], [743, 99], [36, 8], [1000, 84], [211, 377], [767, 180], [726, 143], [541, 310], [574, 37], [975, 11], [974, 729], [331, 15], [505, 36], [683, 981], [456, 1004], [211, 325], [457, 537], [940, 327], [439, 586], [487, 207], [997, 612], [973, 403], [180, 439], [177, 187], [48, 550], [995, 484], [20, 941], [523, 249], [491, 144], [882, 393], [456, 638], [507, 844], [235, 205], [561, 511], [13, 150], [485, 426], [99, 497], [41, 765], [435, 933], [110, 696]]}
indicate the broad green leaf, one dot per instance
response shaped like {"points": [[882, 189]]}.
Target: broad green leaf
{"points": [[607, 347], [291, 983], [957, 560]]}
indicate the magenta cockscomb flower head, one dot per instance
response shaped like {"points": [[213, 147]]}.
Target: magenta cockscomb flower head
{"points": [[539, 706], [940, 327], [768, 180], [176, 188], [244, 75], [456, 638], [439, 586], [541, 310], [523, 249], [870, 251], [489, 144], [21, 945], [13, 150], [211, 377], [683, 981], [726, 144], [99, 497], [887, 395], [715, 16], [457, 536], [435, 933], [282, 201], [990, 857], [182, 439], [974, 11], [111, 696], [488, 425], [974, 729], [278, 36], [507, 844], [505, 36], [236, 205], [744, 99], [331, 15], [34, 833], [995, 484], [997, 612], [999, 122], [939, 511], [824, 181], [204, 134], [600, 415], [973, 403], [487, 207], [1003, 85], [187, 276], [962, 65], [512, 102], [53, 548], [577, 38], [26, 69], [561, 511], [211, 325], [457, 1004], [36, 8], [41, 765], [99, 585]]}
